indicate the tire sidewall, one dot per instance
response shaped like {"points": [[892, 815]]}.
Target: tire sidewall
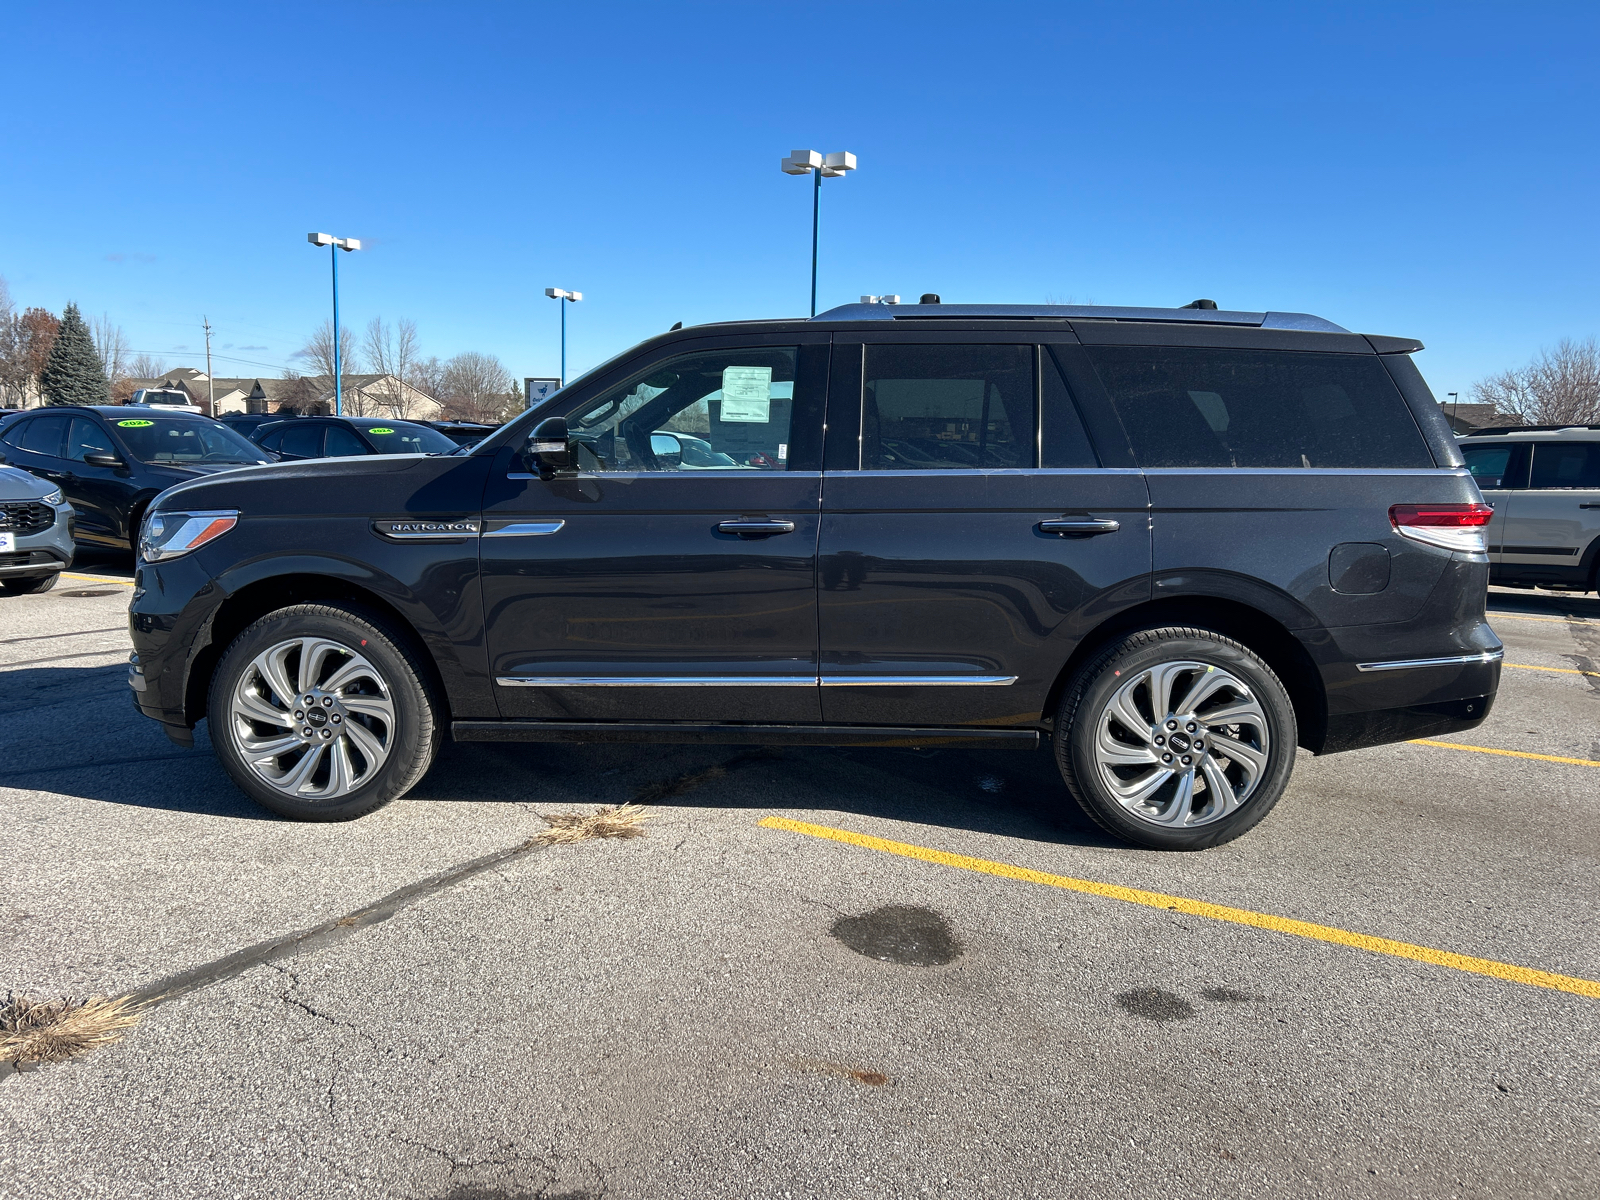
{"points": [[1076, 735], [412, 743]]}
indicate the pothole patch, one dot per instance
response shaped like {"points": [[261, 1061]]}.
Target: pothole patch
{"points": [[903, 934]]}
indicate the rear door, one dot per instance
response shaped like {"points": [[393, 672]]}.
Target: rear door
{"points": [[1556, 518], [947, 595], [1500, 469], [673, 578]]}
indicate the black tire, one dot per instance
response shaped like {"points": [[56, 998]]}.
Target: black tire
{"points": [[1090, 736], [396, 676], [29, 585]]}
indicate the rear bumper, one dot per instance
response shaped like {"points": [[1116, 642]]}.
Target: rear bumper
{"points": [[1436, 673]]}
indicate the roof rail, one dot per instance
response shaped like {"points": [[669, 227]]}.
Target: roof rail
{"points": [[1501, 429], [1082, 312]]}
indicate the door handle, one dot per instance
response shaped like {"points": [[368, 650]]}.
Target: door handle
{"points": [[752, 528], [1080, 526], [1589, 506]]}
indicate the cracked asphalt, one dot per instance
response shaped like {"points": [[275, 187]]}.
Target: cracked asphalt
{"points": [[725, 1009]]}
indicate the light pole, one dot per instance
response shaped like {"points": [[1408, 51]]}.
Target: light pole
{"points": [[334, 246], [1455, 411], [805, 162], [558, 295]]}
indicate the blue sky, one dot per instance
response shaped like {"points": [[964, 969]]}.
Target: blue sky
{"points": [[1414, 169]]}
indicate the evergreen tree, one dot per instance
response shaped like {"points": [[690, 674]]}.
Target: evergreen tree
{"points": [[73, 373]]}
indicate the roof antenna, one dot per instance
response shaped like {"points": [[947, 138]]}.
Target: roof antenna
{"points": [[1209, 305], [678, 325], [929, 298]]}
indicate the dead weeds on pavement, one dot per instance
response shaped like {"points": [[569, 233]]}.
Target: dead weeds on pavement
{"points": [[50, 1031], [625, 821]]}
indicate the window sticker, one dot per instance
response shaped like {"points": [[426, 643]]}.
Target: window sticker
{"points": [[135, 424], [783, 451], [746, 395], [380, 429]]}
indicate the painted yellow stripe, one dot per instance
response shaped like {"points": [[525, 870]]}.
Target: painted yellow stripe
{"points": [[1557, 670], [97, 578], [1200, 908], [1555, 758], [1497, 616]]}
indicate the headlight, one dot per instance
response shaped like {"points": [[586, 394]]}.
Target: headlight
{"points": [[172, 534], [54, 498]]}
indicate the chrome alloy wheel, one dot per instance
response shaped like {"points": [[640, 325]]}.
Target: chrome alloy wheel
{"points": [[313, 718], [1182, 744]]}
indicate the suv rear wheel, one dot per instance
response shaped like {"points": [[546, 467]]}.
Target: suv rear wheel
{"points": [[1176, 738], [320, 712]]}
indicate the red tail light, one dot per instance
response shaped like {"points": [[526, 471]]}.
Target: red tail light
{"points": [[1448, 526]]}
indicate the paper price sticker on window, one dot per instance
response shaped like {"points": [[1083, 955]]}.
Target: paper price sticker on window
{"points": [[746, 395]]}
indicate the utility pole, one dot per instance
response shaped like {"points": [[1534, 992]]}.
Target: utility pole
{"points": [[211, 387]]}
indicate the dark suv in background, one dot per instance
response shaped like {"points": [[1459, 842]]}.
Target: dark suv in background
{"points": [[1172, 544]]}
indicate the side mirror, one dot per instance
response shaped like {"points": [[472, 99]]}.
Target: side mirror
{"points": [[548, 451], [666, 446], [103, 460]]}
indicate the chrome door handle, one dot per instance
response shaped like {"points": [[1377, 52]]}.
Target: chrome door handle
{"points": [[1080, 526], [527, 529], [747, 528]]}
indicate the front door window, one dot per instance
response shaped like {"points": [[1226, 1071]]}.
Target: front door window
{"points": [[724, 410]]}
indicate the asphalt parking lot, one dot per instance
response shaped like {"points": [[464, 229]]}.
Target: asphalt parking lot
{"points": [[820, 973]]}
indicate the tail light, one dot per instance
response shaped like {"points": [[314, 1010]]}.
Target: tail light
{"points": [[1448, 526]]}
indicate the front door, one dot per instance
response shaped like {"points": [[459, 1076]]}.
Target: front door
{"points": [[102, 494], [967, 544], [673, 577]]}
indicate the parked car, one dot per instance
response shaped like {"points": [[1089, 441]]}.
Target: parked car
{"points": [[462, 433], [250, 425], [1543, 482], [35, 533], [342, 437], [111, 461], [1170, 544], [173, 398]]}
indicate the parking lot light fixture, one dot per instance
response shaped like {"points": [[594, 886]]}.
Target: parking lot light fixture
{"points": [[334, 246], [831, 166], [559, 294]]}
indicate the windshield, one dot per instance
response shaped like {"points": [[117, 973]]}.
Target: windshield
{"points": [[157, 439], [402, 437]]}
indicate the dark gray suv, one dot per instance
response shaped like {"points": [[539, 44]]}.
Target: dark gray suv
{"points": [[1172, 544]]}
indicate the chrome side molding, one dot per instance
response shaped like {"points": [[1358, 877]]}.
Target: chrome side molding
{"points": [[755, 680], [1455, 660], [528, 529]]}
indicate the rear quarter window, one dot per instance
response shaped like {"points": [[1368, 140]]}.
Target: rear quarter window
{"points": [[1193, 407]]}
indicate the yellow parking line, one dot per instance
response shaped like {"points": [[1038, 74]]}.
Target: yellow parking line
{"points": [[1496, 616], [97, 578], [1557, 670], [1201, 908], [1555, 758]]}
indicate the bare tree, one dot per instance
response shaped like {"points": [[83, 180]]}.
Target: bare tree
{"points": [[1559, 387], [477, 387], [427, 376], [392, 352], [12, 382], [147, 366], [300, 396], [319, 353], [111, 344]]}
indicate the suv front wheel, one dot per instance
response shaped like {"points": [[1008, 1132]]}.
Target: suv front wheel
{"points": [[320, 713], [1176, 738]]}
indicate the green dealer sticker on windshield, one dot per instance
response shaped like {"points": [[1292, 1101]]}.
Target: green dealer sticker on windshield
{"points": [[380, 430], [134, 424]]}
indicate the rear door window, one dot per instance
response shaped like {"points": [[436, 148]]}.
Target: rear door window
{"points": [[948, 408], [1566, 465], [44, 435], [1192, 407], [1497, 466]]}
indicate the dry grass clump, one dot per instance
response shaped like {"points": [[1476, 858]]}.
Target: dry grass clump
{"points": [[625, 821], [49, 1031]]}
